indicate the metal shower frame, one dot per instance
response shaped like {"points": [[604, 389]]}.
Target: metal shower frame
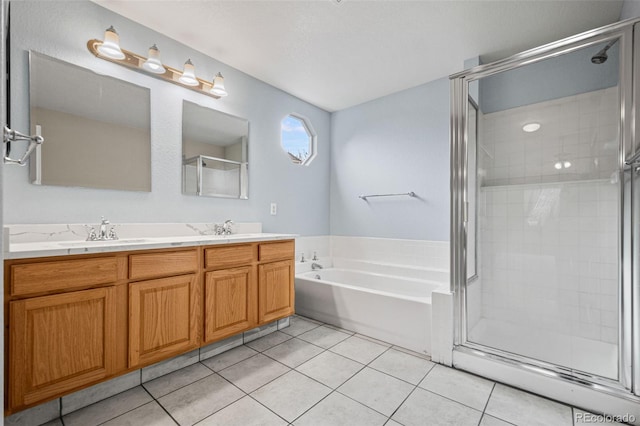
{"points": [[628, 385]]}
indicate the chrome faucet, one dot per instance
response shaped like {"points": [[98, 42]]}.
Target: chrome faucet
{"points": [[315, 266], [105, 233], [224, 229], [227, 227]]}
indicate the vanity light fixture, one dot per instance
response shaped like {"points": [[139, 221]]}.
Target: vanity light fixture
{"points": [[531, 127], [153, 63], [218, 86], [188, 76], [111, 45], [110, 50]]}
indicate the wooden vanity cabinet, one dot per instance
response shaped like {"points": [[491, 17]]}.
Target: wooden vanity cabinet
{"points": [[164, 313], [276, 276], [74, 321], [230, 291], [59, 341]]}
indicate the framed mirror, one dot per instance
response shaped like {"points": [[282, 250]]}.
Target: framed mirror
{"points": [[214, 153], [96, 128]]}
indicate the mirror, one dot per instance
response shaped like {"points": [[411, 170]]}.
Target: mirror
{"points": [[214, 153], [96, 128]]}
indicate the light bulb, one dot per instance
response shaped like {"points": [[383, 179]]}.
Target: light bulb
{"points": [[110, 47], [153, 63], [566, 164], [188, 76], [218, 86], [531, 127], [558, 165]]}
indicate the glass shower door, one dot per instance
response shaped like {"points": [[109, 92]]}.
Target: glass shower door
{"points": [[546, 198]]}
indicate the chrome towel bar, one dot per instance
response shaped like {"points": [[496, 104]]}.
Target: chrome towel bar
{"points": [[409, 194]]}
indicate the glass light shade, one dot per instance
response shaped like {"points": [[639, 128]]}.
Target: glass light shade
{"points": [[110, 47], [153, 63], [531, 127], [558, 165], [218, 86], [189, 74], [566, 164]]}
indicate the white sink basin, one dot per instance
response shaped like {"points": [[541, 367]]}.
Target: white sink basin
{"points": [[103, 242]]}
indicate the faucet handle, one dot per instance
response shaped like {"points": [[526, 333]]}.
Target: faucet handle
{"points": [[315, 256], [91, 233], [112, 233], [227, 226], [302, 259]]}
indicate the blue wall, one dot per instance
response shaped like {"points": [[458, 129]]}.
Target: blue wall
{"points": [[630, 9], [62, 29], [397, 143], [553, 78]]}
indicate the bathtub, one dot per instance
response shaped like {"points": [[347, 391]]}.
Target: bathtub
{"points": [[395, 308]]}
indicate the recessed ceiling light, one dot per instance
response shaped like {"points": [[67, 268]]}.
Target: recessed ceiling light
{"points": [[531, 127]]}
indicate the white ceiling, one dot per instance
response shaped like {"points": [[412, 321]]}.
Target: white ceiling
{"points": [[336, 54]]}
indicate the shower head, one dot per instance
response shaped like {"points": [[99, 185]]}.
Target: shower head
{"points": [[601, 57]]}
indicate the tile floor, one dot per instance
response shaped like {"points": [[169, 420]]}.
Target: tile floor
{"points": [[314, 374]]}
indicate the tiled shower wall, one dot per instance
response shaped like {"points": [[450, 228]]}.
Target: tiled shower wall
{"points": [[582, 129], [548, 237], [549, 257]]}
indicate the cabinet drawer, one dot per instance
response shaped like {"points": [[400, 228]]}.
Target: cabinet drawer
{"points": [[226, 256], [152, 265], [276, 251], [62, 275]]}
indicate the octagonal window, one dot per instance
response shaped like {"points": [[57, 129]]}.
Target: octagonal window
{"points": [[298, 139]]}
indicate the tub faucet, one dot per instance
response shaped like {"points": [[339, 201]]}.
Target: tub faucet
{"points": [[315, 266]]}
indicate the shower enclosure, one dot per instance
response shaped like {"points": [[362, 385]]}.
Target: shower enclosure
{"points": [[546, 210]]}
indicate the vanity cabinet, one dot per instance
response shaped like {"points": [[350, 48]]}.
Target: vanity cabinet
{"points": [[163, 318], [276, 277], [62, 322], [74, 321], [230, 300], [164, 313], [60, 342], [230, 291]]}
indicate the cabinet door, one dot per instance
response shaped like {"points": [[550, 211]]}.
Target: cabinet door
{"points": [[230, 302], [163, 318], [60, 342], [276, 291]]}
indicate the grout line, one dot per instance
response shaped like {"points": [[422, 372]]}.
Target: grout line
{"points": [[230, 365], [289, 337], [250, 396], [126, 412], [158, 402], [181, 387], [484, 413], [489, 399], [112, 396], [361, 403]]}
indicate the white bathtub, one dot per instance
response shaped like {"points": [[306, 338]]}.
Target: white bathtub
{"points": [[392, 308]]}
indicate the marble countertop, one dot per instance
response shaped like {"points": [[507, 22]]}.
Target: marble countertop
{"points": [[24, 241]]}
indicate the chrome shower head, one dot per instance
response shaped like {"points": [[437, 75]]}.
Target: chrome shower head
{"points": [[601, 57]]}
